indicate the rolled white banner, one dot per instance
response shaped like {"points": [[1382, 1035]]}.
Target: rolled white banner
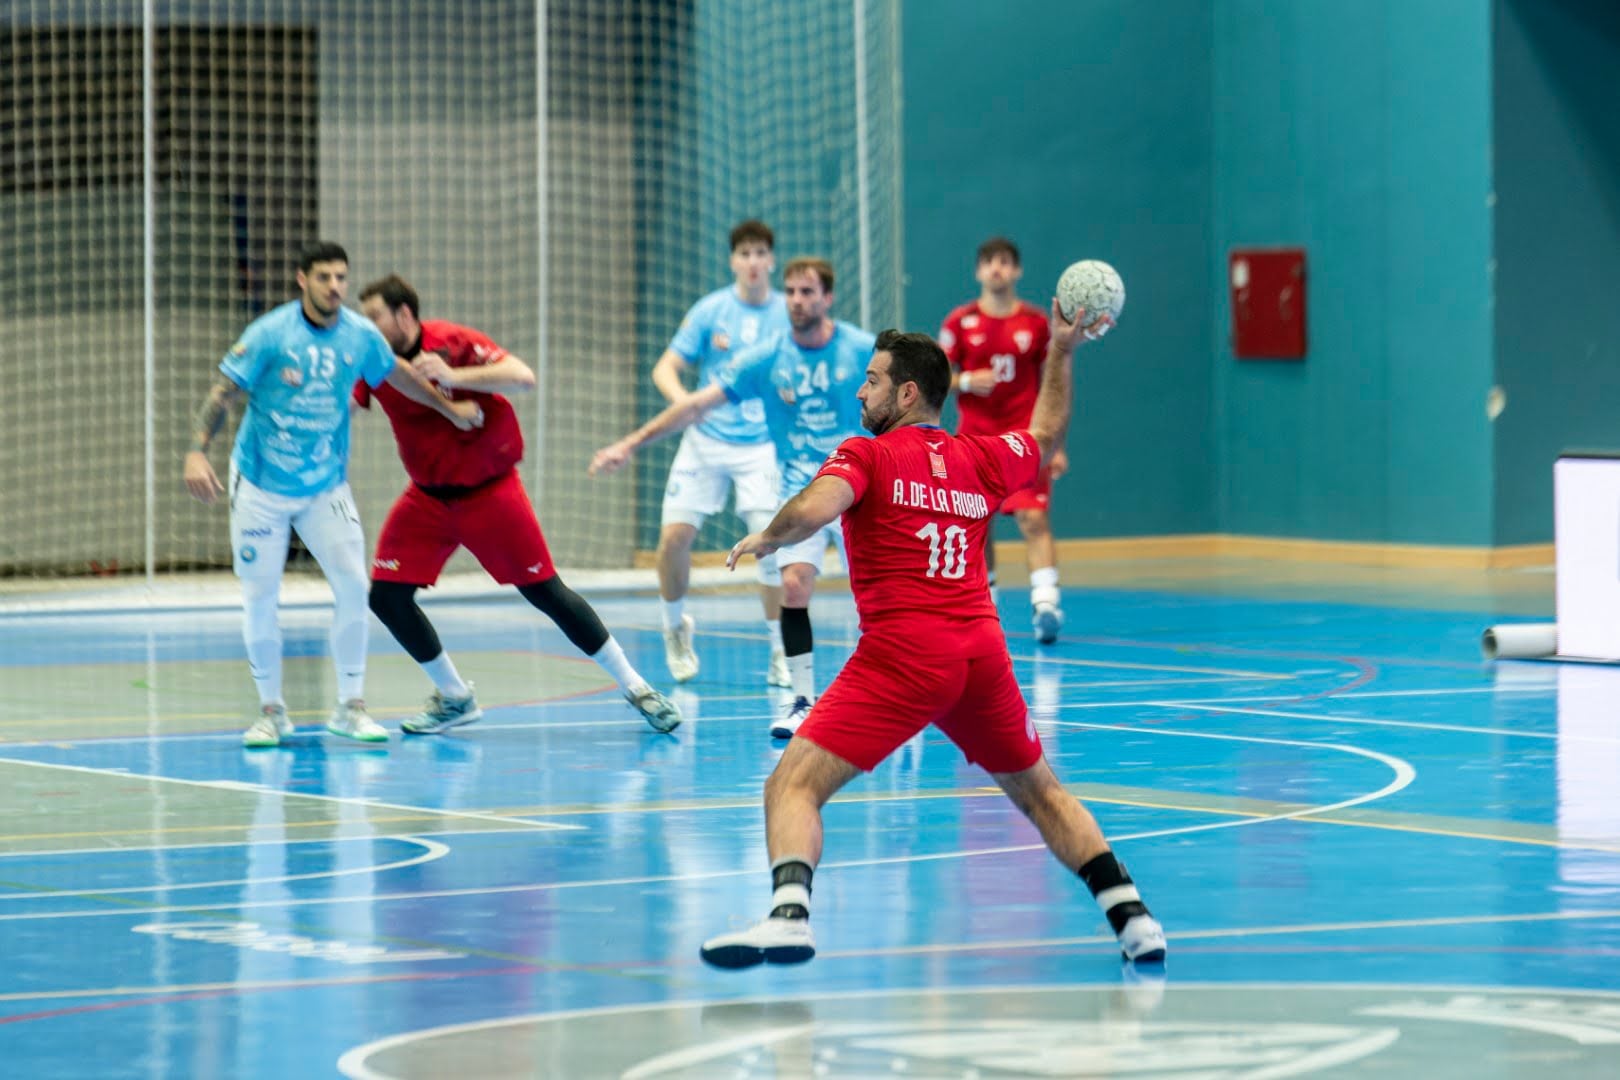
{"points": [[1520, 641]]}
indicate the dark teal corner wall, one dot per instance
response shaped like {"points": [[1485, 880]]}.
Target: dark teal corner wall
{"points": [[1034, 120], [1557, 323]]}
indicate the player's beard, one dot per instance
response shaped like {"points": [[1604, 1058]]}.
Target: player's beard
{"points": [[878, 421]]}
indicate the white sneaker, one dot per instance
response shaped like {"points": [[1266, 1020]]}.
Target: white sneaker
{"points": [[655, 708], [773, 941], [351, 721], [442, 713], [1048, 621], [678, 654], [777, 674], [793, 714], [269, 728], [1141, 939]]}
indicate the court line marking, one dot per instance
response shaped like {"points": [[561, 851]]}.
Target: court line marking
{"points": [[255, 789], [352, 1063], [349, 838], [1414, 724], [1404, 776], [434, 850]]}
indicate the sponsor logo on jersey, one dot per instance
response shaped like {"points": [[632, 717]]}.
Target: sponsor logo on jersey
{"points": [[975, 339], [936, 460], [292, 376], [946, 339], [719, 341], [749, 331], [1023, 339], [969, 321], [1015, 442], [239, 349], [386, 564], [257, 533]]}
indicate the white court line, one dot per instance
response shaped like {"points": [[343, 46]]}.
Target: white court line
{"points": [[434, 850], [254, 789], [353, 1063], [348, 838], [1404, 775], [1414, 724]]}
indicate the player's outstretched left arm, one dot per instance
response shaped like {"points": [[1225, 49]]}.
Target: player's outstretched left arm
{"points": [[466, 415], [813, 508], [678, 416], [508, 375]]}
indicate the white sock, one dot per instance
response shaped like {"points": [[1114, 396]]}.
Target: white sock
{"points": [[802, 668], [775, 628], [610, 657], [673, 610], [1043, 586], [442, 670]]}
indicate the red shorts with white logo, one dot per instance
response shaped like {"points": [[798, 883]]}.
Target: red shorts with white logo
{"points": [[495, 522], [884, 696], [1038, 496]]}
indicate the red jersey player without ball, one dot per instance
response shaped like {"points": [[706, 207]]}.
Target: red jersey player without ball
{"points": [[916, 504]]}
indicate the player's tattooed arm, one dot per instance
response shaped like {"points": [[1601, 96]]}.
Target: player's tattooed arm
{"points": [[210, 415], [816, 506], [199, 475]]}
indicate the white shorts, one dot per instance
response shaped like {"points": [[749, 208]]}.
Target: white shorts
{"points": [[705, 468], [812, 549], [261, 525]]}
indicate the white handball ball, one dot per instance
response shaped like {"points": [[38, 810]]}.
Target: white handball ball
{"points": [[1094, 286]]}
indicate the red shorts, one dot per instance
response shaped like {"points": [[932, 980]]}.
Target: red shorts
{"points": [[881, 699], [1038, 496], [495, 522]]}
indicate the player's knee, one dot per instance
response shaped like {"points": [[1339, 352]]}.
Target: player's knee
{"points": [[676, 539], [798, 584], [391, 599], [1034, 524]]}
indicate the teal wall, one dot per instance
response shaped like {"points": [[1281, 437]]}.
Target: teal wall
{"points": [[1344, 129], [1558, 246], [1034, 119]]}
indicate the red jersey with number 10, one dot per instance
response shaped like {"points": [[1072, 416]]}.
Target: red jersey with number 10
{"points": [[1014, 347], [435, 453], [915, 533]]}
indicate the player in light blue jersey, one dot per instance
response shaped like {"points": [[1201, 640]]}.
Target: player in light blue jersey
{"points": [[296, 366], [731, 449], [805, 382]]}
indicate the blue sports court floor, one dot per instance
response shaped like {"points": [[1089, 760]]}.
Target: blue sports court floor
{"points": [[1373, 855]]}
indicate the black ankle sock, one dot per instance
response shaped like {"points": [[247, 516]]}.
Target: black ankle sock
{"points": [[791, 872], [1106, 872]]}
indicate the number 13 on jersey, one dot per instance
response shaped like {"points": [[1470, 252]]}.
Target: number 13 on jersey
{"points": [[947, 553]]}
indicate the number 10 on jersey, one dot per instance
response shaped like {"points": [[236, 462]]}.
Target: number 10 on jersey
{"points": [[947, 554]]}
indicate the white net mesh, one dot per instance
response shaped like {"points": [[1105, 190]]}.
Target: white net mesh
{"points": [[412, 134]]}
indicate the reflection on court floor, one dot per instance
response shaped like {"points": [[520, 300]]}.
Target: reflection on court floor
{"points": [[1372, 854]]}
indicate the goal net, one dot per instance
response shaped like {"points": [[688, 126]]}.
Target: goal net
{"points": [[561, 175]]}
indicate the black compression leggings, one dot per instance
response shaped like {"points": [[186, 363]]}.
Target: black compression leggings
{"points": [[394, 603]]}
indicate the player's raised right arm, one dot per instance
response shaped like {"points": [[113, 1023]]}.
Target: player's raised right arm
{"points": [[1054, 403], [678, 416], [200, 478]]}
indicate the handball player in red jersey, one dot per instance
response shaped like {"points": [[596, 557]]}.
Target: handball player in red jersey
{"points": [[466, 492], [916, 504]]}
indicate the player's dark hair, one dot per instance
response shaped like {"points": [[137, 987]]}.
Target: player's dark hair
{"points": [[396, 292], [320, 251], [999, 245], [917, 358], [752, 231], [810, 264]]}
